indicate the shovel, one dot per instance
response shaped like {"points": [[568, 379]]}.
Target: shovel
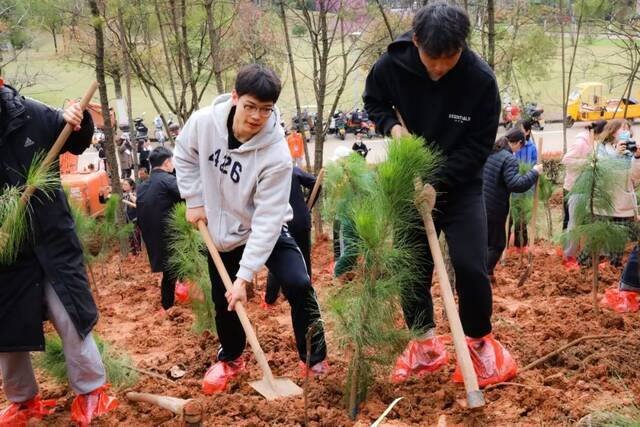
{"points": [[269, 386], [425, 201]]}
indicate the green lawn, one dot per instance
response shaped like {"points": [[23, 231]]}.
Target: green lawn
{"points": [[60, 79]]}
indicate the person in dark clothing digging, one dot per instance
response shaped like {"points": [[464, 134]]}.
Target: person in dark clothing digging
{"points": [[430, 83], [48, 278], [501, 177], [299, 227], [155, 199]]}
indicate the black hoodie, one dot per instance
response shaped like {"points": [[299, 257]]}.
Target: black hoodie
{"points": [[458, 113]]}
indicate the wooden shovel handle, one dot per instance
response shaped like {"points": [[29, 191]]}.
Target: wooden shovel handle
{"points": [[54, 151], [474, 395], [239, 308], [316, 188]]}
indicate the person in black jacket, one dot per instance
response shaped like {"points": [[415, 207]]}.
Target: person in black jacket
{"points": [[48, 277], [299, 227], [501, 177], [156, 198], [430, 83]]}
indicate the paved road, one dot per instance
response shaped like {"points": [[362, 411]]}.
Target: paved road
{"points": [[552, 143]]}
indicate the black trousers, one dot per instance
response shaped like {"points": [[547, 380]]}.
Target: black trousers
{"points": [[168, 288], [565, 209], [497, 241], [461, 215], [303, 240], [287, 265]]}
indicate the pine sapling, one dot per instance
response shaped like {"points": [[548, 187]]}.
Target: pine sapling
{"points": [[188, 261], [545, 191], [366, 309], [594, 193]]}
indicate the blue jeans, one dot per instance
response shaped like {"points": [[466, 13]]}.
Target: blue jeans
{"points": [[630, 275]]}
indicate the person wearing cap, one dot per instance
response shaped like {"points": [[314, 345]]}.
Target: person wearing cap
{"points": [[501, 177]]}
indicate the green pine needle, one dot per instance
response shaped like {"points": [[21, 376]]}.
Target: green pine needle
{"points": [[188, 261], [14, 215], [116, 363]]}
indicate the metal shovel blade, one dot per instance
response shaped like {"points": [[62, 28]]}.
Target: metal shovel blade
{"points": [[282, 387]]}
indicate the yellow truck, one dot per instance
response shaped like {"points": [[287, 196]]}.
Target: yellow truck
{"points": [[586, 103]]}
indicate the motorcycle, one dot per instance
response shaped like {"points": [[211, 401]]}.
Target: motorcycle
{"points": [[533, 111]]}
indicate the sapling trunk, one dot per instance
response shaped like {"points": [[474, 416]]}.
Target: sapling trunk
{"points": [[310, 332], [594, 290]]}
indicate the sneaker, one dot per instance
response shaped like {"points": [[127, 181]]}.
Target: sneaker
{"points": [[427, 354], [218, 375], [19, 414], [86, 407], [319, 369]]}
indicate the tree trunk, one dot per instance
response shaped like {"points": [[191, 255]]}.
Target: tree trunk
{"points": [[491, 23], [55, 39], [294, 80], [594, 288], [167, 60], [110, 148], [564, 79], [127, 81], [386, 20], [117, 84], [187, 56]]}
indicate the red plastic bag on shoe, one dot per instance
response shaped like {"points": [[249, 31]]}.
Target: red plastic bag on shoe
{"points": [[86, 407], [621, 301], [420, 356], [19, 414], [218, 376], [491, 361], [182, 292]]}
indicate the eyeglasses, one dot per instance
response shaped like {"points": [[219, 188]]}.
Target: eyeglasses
{"points": [[263, 111]]}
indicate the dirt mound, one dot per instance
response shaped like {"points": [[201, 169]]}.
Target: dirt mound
{"points": [[552, 308]]}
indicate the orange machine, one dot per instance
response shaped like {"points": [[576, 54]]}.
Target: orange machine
{"points": [[84, 190]]}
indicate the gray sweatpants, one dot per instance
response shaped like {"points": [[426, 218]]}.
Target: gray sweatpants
{"points": [[84, 364]]}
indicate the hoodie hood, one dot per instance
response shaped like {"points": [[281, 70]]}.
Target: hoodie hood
{"points": [[270, 134], [404, 53]]}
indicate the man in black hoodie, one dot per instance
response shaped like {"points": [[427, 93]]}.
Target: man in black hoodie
{"points": [[431, 84]]}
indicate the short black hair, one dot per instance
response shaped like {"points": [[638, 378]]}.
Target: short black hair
{"points": [[143, 168], [597, 127], [515, 135], [441, 29], [259, 81], [526, 124], [159, 155]]}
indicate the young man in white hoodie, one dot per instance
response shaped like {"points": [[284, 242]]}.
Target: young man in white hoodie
{"points": [[234, 171]]}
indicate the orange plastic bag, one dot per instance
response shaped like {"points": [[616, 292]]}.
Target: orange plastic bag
{"points": [[621, 301], [19, 414], [218, 376], [182, 292], [491, 361], [420, 357], [86, 407]]}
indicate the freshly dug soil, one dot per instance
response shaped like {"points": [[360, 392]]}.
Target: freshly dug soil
{"points": [[551, 309]]}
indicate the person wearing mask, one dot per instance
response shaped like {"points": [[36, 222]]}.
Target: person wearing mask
{"points": [[47, 279], [155, 200], [573, 161], [501, 177], [430, 83], [612, 146]]}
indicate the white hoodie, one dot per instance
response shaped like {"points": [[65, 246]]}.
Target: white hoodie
{"points": [[245, 191]]}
